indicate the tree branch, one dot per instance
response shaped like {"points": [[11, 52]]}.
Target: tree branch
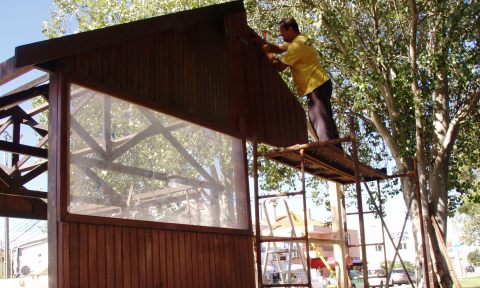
{"points": [[456, 122]]}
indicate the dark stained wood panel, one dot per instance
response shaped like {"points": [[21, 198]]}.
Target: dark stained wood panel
{"points": [[272, 114], [22, 207], [154, 258], [209, 74]]}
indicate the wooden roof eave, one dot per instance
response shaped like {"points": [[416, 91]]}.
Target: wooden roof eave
{"points": [[45, 51], [9, 70]]}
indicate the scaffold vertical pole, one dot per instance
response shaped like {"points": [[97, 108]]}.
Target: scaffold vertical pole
{"points": [[258, 244], [358, 190], [380, 206], [305, 220], [422, 229]]}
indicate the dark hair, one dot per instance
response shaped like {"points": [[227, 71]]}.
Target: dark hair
{"points": [[289, 22]]}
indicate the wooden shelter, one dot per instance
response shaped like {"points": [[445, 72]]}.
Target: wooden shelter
{"points": [[116, 93]]}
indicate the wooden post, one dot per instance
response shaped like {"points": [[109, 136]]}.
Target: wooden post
{"points": [[339, 251]]}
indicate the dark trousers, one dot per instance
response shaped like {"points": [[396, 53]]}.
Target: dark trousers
{"points": [[320, 113]]}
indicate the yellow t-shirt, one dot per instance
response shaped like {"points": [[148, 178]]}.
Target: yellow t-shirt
{"points": [[304, 63]]}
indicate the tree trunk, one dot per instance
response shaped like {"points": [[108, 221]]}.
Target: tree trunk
{"points": [[438, 209], [408, 187]]}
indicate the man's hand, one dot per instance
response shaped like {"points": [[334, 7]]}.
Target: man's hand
{"points": [[272, 48]]}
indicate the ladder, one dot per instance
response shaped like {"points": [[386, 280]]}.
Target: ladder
{"points": [[293, 239]]}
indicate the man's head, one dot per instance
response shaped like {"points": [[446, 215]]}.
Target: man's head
{"points": [[289, 29]]}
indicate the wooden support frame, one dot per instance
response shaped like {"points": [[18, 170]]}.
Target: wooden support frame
{"points": [[31, 204]]}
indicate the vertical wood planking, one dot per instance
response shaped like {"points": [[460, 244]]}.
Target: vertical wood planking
{"points": [[134, 269], [65, 254], [73, 251], [92, 257], [175, 260], [156, 268], [163, 258], [127, 282], [102, 259], [118, 251], [149, 256], [83, 255], [142, 268], [110, 257], [199, 266], [182, 259], [170, 276]]}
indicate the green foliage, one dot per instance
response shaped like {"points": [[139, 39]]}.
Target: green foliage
{"points": [[474, 257], [471, 225], [73, 16], [409, 265], [365, 46]]}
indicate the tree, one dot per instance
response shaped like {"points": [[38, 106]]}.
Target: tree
{"points": [[410, 71], [474, 257], [471, 226]]}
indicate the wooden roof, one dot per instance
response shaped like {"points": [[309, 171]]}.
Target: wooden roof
{"points": [[47, 50], [326, 162]]}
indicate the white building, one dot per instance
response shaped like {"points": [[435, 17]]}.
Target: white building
{"points": [[30, 258]]}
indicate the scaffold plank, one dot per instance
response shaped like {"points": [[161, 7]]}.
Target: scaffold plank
{"points": [[326, 162]]}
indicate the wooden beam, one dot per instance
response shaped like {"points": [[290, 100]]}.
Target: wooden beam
{"points": [[25, 168], [28, 85], [20, 191], [14, 99], [37, 171], [177, 145], [85, 162], [110, 193], [19, 115], [118, 144], [5, 178], [38, 109], [85, 136], [137, 138], [26, 157], [22, 207], [8, 71], [23, 149]]}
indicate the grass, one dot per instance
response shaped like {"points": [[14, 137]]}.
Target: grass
{"points": [[471, 282]]}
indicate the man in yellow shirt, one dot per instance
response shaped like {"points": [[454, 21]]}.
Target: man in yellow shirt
{"points": [[310, 78]]}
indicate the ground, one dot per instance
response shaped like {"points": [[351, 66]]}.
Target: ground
{"points": [[473, 282]]}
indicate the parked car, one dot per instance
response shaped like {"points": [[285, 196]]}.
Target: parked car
{"points": [[376, 278], [399, 276], [469, 269]]}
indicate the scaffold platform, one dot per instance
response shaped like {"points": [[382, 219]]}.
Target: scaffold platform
{"points": [[327, 162]]}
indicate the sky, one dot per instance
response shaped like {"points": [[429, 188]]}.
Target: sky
{"points": [[21, 23]]}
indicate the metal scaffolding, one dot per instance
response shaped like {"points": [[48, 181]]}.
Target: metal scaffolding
{"points": [[322, 159]]}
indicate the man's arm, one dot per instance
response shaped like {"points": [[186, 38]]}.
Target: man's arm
{"points": [[271, 50], [279, 65]]}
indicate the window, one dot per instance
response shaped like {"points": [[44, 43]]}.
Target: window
{"points": [[402, 245], [378, 248], [130, 162]]}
